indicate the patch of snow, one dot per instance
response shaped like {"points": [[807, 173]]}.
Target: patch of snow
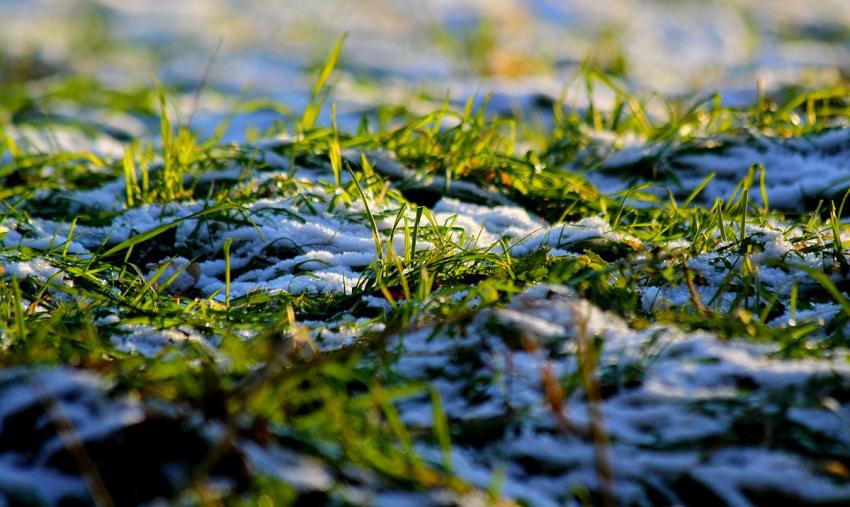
{"points": [[690, 388]]}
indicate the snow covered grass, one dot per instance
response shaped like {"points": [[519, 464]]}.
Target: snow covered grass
{"points": [[619, 304]]}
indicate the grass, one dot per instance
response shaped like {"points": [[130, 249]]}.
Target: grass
{"points": [[265, 378]]}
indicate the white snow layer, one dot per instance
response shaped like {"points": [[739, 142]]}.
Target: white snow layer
{"points": [[682, 415], [798, 171]]}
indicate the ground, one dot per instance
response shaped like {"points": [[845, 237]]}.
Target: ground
{"points": [[618, 279]]}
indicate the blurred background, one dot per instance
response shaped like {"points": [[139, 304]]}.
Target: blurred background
{"points": [[396, 49]]}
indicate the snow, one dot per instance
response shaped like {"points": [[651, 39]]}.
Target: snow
{"points": [[39, 269], [64, 139], [670, 48], [149, 341], [79, 399], [690, 391], [689, 388], [325, 251], [674, 402], [798, 171]]}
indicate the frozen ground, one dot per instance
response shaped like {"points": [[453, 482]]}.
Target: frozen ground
{"points": [[687, 415], [579, 307]]}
